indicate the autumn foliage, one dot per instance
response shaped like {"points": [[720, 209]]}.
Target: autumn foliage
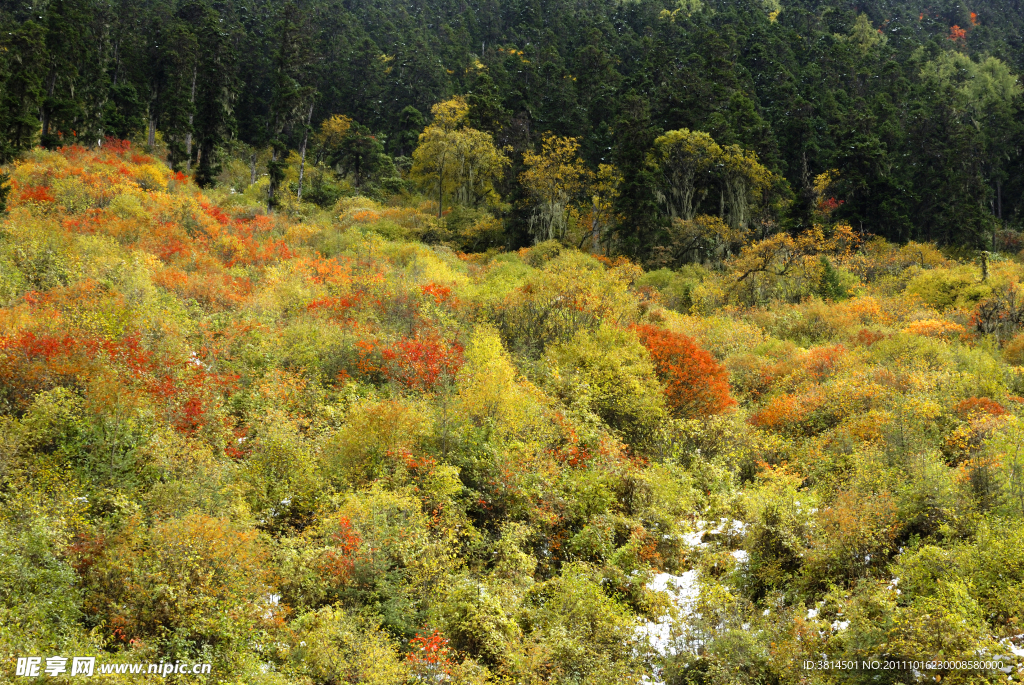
{"points": [[979, 405], [311, 449], [695, 384]]}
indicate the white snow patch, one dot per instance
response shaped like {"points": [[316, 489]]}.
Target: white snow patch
{"points": [[694, 539], [683, 591], [730, 526], [1009, 643], [273, 600]]}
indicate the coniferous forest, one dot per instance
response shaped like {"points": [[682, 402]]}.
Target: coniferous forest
{"points": [[512, 342]]}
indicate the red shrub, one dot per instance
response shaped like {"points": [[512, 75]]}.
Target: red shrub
{"points": [[216, 213], [335, 307], [339, 561], [422, 363], [439, 293], [36, 194], [430, 656], [695, 384], [867, 338], [979, 405], [117, 146]]}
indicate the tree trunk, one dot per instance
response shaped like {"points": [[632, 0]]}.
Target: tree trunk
{"points": [[46, 110], [440, 187], [191, 116], [151, 132], [117, 61], [305, 138], [252, 167], [270, 188]]}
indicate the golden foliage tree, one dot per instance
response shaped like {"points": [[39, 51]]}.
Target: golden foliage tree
{"points": [[456, 160], [600, 216], [554, 178], [691, 165], [332, 132], [686, 160]]}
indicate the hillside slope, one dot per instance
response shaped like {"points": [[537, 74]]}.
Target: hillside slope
{"points": [[317, 451]]}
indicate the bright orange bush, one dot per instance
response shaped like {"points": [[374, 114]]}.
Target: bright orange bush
{"points": [[431, 656], [935, 328], [821, 362], [780, 412], [695, 383], [979, 405]]}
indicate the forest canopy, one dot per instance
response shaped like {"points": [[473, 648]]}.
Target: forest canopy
{"points": [[916, 105]]}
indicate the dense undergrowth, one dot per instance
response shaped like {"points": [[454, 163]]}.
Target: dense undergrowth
{"points": [[308, 448]]}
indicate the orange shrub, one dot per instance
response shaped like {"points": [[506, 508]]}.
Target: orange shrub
{"points": [[695, 384], [366, 217], [1013, 352], [338, 561], [780, 412], [867, 338], [783, 413], [821, 362], [973, 406], [935, 328], [864, 310]]}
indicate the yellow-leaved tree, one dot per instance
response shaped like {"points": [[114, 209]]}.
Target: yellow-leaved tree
{"points": [[554, 178], [455, 160], [333, 132], [686, 160], [745, 183], [690, 166], [597, 218]]}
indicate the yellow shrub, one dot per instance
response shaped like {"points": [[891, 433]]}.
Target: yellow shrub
{"points": [[354, 453], [945, 288], [127, 205], [151, 176], [935, 328], [72, 194], [1014, 350]]}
